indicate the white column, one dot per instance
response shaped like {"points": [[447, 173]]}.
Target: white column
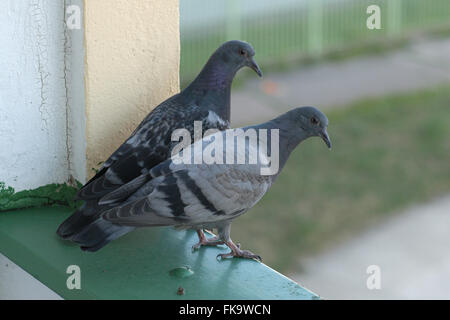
{"points": [[33, 149]]}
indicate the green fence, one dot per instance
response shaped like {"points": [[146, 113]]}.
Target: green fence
{"points": [[287, 29]]}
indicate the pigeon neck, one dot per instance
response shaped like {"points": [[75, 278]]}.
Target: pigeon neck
{"points": [[215, 75], [212, 88], [288, 142], [289, 137]]}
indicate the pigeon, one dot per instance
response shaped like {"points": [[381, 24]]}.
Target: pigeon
{"points": [[206, 99], [223, 184]]}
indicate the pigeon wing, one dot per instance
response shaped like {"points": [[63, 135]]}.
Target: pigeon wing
{"points": [[148, 146], [192, 194], [199, 195]]}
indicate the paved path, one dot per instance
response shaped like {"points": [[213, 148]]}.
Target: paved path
{"points": [[425, 63], [412, 250]]}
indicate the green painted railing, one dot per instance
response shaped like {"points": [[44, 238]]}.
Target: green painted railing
{"points": [[149, 263], [287, 29]]}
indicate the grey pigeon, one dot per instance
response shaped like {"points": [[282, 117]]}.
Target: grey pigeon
{"points": [[206, 99], [208, 195]]}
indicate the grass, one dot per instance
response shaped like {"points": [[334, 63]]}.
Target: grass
{"points": [[388, 154]]}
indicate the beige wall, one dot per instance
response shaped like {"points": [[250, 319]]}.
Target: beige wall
{"points": [[131, 65]]}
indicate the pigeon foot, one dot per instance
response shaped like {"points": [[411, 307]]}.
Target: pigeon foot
{"points": [[203, 241], [238, 253]]}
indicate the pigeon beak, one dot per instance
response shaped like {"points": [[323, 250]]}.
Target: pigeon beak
{"points": [[325, 137], [254, 66]]}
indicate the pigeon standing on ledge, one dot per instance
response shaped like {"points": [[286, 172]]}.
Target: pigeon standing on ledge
{"points": [[197, 196], [206, 99]]}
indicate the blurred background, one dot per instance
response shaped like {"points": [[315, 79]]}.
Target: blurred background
{"points": [[381, 197]]}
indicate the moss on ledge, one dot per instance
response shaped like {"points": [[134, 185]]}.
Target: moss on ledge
{"points": [[61, 194]]}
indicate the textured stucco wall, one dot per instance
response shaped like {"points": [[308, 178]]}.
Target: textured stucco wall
{"points": [[33, 149], [132, 64]]}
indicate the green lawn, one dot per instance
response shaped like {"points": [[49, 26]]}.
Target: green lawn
{"points": [[388, 154]]}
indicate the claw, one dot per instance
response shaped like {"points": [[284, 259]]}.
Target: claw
{"points": [[210, 242], [243, 254], [196, 246], [235, 248], [238, 253], [206, 242]]}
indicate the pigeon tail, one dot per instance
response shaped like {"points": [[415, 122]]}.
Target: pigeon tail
{"points": [[98, 234], [78, 220]]}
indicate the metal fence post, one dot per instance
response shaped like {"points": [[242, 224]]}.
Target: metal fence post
{"points": [[315, 23], [394, 17], [233, 19]]}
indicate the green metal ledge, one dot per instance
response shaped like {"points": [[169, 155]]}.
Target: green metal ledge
{"points": [[149, 263]]}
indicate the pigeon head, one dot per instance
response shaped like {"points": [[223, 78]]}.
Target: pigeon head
{"points": [[211, 89], [314, 123], [308, 122], [218, 73], [238, 54]]}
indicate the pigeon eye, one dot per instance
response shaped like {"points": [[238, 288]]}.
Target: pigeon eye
{"points": [[314, 121], [242, 52]]}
